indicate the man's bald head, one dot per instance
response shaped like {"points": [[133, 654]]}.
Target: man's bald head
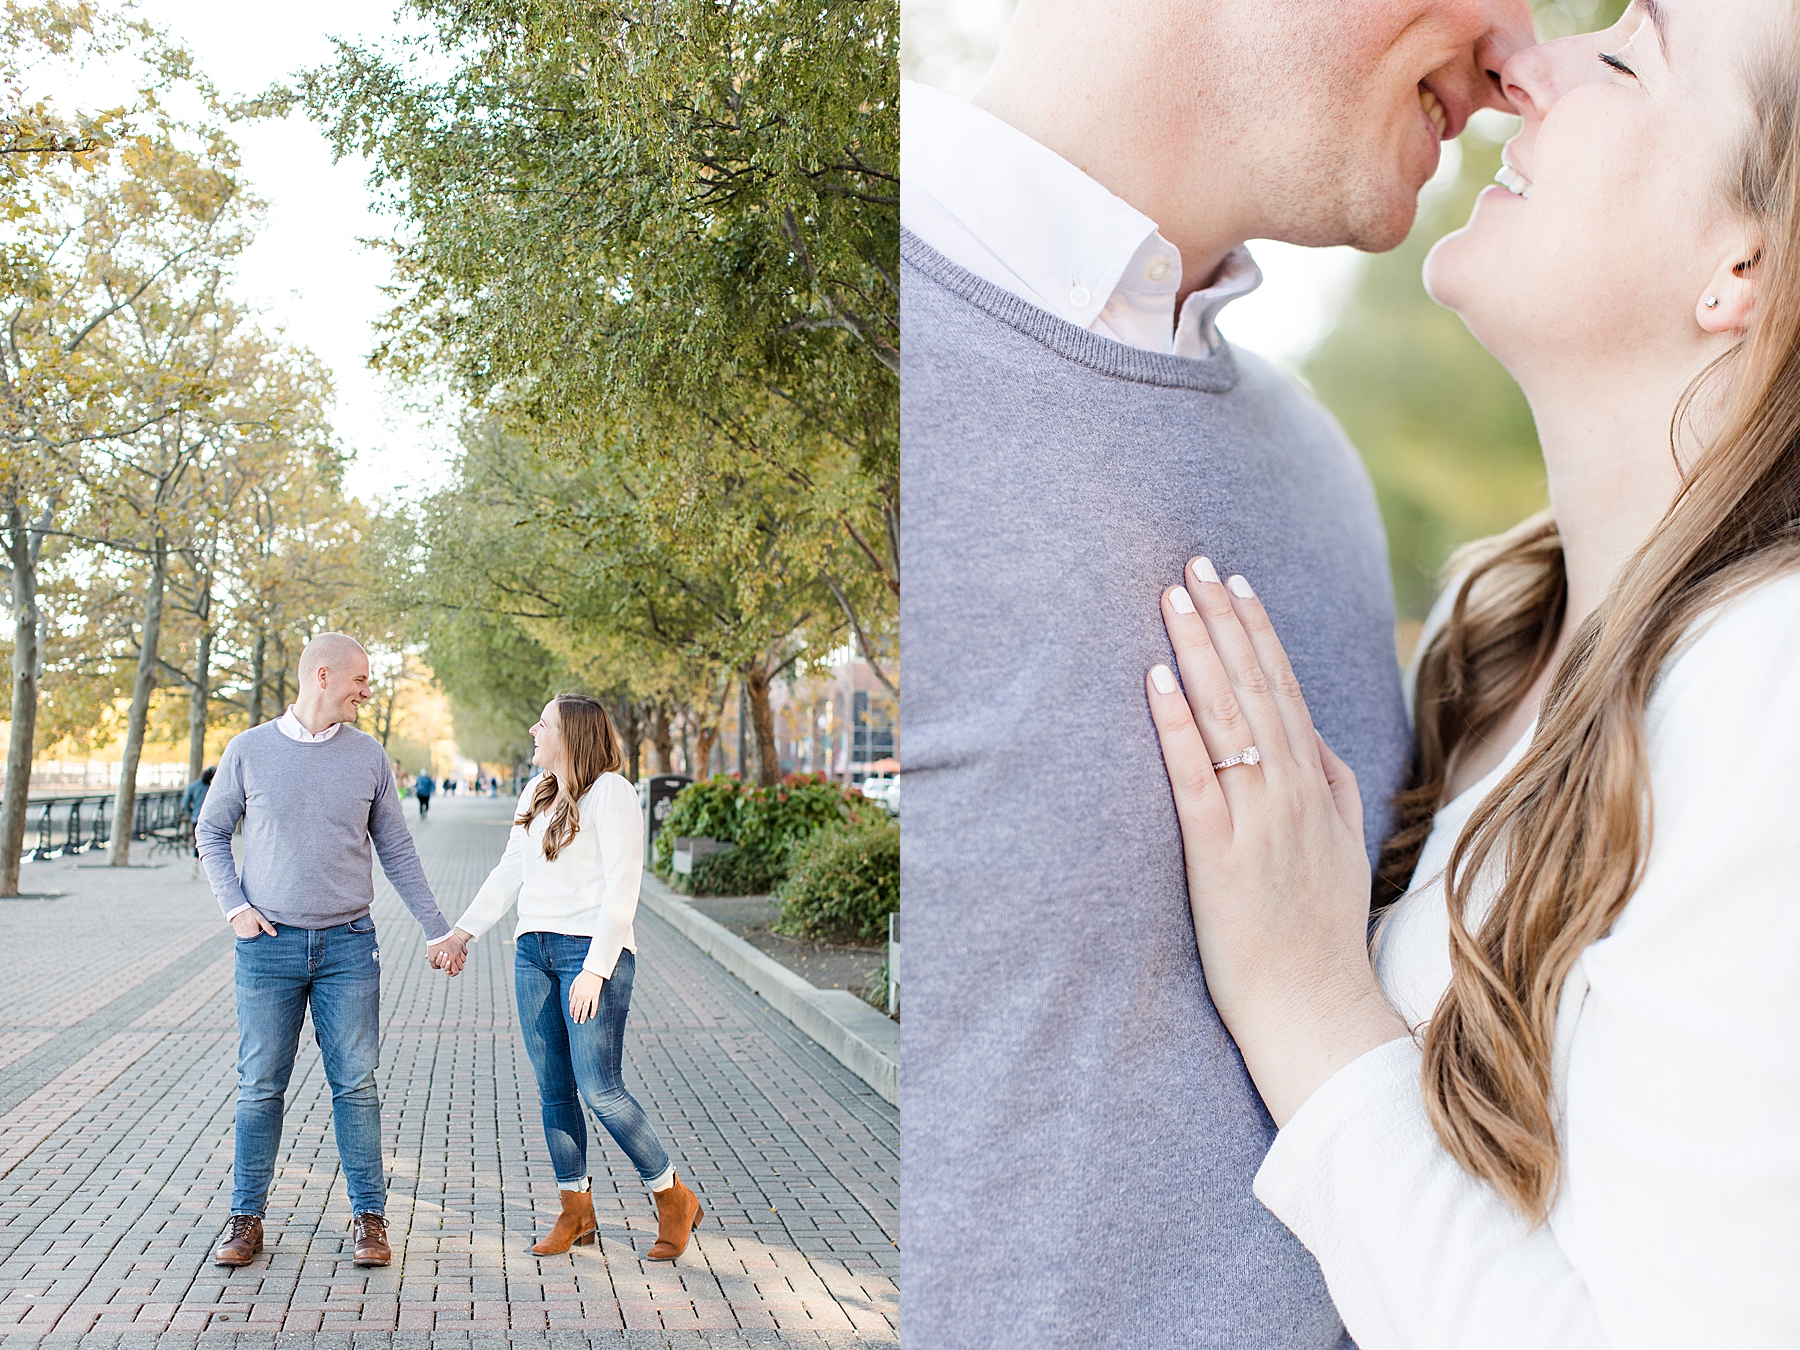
{"points": [[334, 681], [333, 651]]}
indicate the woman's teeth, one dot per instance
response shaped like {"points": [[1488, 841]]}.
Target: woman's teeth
{"points": [[1434, 110], [1513, 181]]}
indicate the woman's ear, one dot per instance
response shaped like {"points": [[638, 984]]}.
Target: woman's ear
{"points": [[1729, 302]]}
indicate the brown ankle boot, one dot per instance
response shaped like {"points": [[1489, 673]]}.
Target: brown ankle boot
{"points": [[242, 1242], [575, 1226], [678, 1213], [371, 1244]]}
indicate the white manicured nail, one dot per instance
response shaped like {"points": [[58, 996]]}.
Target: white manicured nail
{"points": [[1205, 571], [1241, 587], [1181, 600], [1163, 678]]}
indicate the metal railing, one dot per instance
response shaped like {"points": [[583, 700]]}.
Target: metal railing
{"points": [[69, 825]]}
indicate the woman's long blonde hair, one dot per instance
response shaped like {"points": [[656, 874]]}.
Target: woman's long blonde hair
{"points": [[1569, 827], [591, 747]]}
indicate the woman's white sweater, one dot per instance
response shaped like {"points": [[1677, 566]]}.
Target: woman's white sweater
{"points": [[589, 890], [1676, 1069]]}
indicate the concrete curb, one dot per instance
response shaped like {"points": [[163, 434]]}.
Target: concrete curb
{"points": [[861, 1039]]}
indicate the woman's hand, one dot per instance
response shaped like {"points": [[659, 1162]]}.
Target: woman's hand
{"points": [[584, 995], [1277, 875], [449, 952]]}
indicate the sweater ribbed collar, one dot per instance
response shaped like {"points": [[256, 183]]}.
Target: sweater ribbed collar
{"points": [[1213, 374]]}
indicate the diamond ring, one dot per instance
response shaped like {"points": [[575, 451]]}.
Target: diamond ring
{"points": [[1249, 755]]}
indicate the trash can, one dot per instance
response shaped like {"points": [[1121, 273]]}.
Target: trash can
{"points": [[656, 795]]}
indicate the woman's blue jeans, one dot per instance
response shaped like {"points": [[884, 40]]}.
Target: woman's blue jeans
{"points": [[580, 1061], [338, 972]]}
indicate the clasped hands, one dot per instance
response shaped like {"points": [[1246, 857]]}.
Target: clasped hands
{"points": [[1278, 878], [451, 953]]}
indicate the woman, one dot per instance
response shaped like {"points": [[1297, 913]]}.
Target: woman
{"points": [[573, 863], [1561, 1105]]}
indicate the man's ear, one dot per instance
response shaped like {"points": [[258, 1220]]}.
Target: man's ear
{"points": [[1729, 303]]}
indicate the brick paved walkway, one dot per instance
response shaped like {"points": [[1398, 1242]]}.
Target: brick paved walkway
{"points": [[117, 1055]]}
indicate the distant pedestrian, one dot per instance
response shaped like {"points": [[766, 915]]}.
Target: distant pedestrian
{"points": [[312, 793], [423, 788], [573, 864], [194, 797]]}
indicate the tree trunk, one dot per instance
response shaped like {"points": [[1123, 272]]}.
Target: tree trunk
{"points": [[198, 703], [743, 733], [125, 805], [662, 736], [26, 656], [258, 652], [757, 679], [631, 735]]}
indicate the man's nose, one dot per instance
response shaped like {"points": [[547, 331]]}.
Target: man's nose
{"points": [[1510, 32]]}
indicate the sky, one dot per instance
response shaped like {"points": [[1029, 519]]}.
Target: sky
{"points": [[307, 270]]}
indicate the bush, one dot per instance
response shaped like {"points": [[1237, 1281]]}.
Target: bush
{"points": [[876, 995], [736, 871], [707, 809], [773, 819], [842, 883], [765, 822]]}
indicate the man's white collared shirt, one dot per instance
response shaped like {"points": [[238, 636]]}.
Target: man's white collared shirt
{"points": [[290, 725], [1018, 215]]}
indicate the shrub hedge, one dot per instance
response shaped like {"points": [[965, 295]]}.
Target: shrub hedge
{"points": [[764, 822], [736, 871], [842, 883]]}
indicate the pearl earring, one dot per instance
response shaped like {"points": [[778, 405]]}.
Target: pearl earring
{"points": [[1712, 302]]}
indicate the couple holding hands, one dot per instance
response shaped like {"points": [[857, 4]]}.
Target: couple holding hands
{"points": [[313, 793], [1304, 1007]]}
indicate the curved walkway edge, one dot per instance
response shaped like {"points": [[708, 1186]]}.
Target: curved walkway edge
{"points": [[864, 1041]]}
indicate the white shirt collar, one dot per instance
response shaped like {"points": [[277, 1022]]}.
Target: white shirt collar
{"points": [[1016, 214], [295, 730]]}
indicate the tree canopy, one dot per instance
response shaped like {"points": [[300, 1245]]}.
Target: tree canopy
{"points": [[657, 250]]}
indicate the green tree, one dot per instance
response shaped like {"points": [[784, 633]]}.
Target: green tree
{"points": [[111, 217], [625, 577], [622, 220]]}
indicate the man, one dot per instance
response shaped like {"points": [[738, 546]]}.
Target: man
{"points": [[313, 793], [424, 786], [1081, 1136]]}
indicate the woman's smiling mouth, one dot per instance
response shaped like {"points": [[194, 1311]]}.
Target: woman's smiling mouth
{"points": [[1513, 181]]}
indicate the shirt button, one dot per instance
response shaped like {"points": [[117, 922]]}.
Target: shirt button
{"points": [[1157, 270], [1079, 296]]}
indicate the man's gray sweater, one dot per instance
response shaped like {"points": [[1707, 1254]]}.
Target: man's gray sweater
{"points": [[1080, 1133], [310, 812]]}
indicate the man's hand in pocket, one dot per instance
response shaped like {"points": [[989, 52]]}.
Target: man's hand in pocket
{"points": [[248, 923]]}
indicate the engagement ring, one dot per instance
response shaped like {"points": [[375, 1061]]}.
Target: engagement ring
{"points": [[1249, 755]]}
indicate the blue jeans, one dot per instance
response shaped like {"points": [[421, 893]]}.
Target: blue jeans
{"points": [[580, 1061], [338, 971]]}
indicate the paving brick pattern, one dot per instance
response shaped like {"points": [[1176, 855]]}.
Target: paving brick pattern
{"points": [[117, 1074]]}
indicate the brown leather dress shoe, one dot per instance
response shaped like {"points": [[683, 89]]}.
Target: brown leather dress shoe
{"points": [[242, 1241], [678, 1213], [575, 1226], [371, 1240]]}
